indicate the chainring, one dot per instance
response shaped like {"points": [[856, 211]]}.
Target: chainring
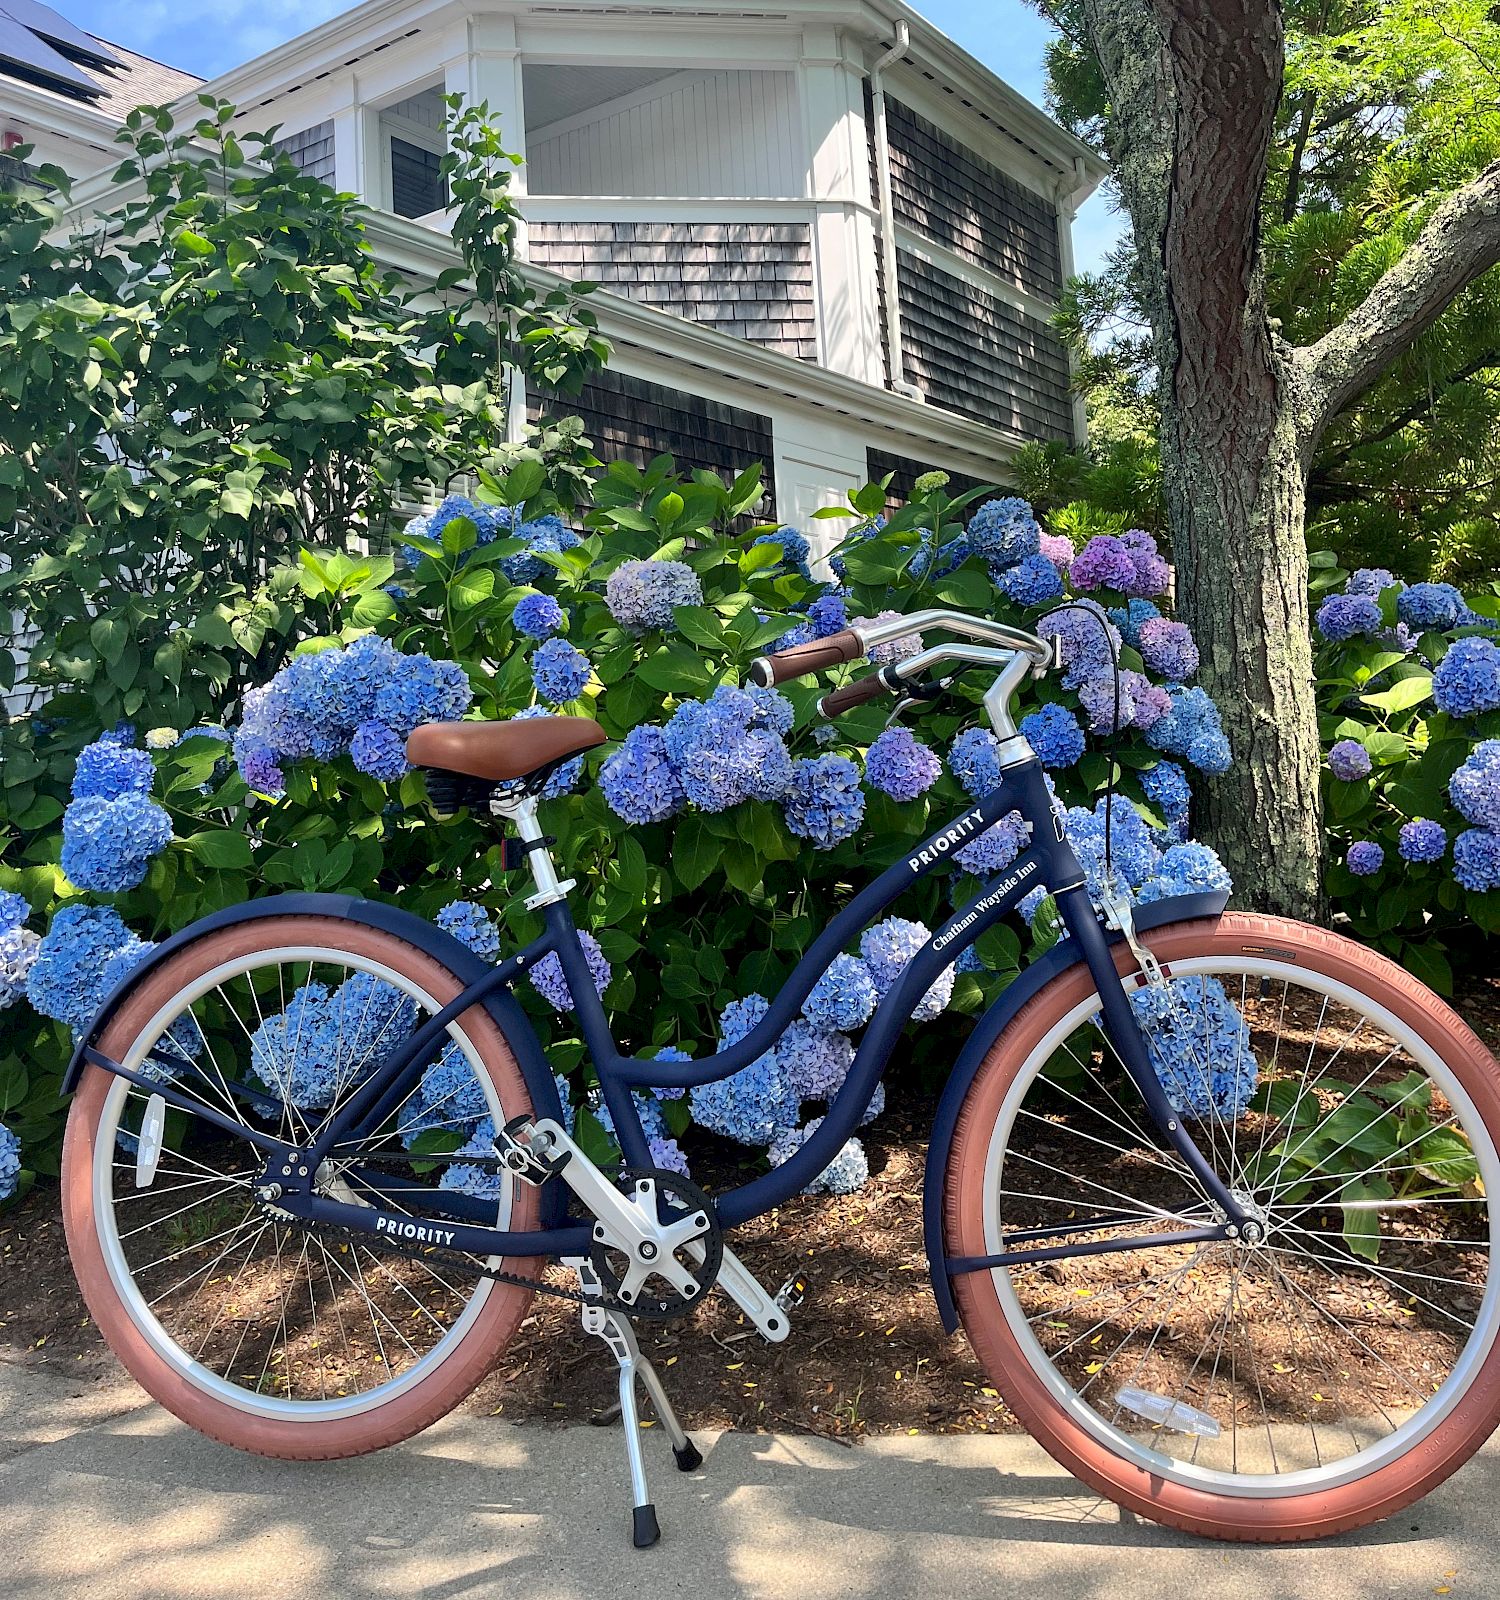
{"points": [[659, 1301]]}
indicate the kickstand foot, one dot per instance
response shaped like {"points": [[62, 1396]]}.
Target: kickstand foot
{"points": [[646, 1530]]}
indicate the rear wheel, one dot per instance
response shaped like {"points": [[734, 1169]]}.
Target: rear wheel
{"points": [[1309, 1381], [265, 1334]]}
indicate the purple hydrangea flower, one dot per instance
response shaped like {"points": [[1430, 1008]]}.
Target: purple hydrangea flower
{"points": [[728, 749], [1053, 732], [900, 765], [824, 802], [378, 750], [1129, 618], [813, 1062], [1365, 858], [893, 649], [1152, 574], [1344, 616], [1058, 549], [1084, 637], [548, 980], [538, 616], [1105, 562], [1371, 580], [559, 672], [1168, 648], [638, 781], [828, 615], [996, 847], [1349, 761], [1422, 841], [1467, 680], [642, 594]]}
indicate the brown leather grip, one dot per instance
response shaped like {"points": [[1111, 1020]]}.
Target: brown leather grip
{"points": [[802, 659], [838, 701]]}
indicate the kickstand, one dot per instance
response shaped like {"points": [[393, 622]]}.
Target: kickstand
{"points": [[619, 1337]]}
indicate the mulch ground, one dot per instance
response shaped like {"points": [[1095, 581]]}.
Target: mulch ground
{"points": [[867, 1353]]}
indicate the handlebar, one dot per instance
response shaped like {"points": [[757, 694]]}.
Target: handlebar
{"points": [[837, 701], [803, 659]]}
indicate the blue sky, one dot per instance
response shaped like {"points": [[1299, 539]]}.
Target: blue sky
{"points": [[208, 36]]}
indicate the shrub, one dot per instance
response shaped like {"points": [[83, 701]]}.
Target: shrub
{"points": [[725, 823]]}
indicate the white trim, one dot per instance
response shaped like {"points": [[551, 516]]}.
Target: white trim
{"points": [[957, 266], [706, 208]]}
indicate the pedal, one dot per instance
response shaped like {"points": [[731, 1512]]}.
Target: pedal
{"points": [[529, 1152], [791, 1294]]}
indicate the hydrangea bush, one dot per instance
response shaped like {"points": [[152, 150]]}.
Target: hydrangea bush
{"points": [[1409, 702], [711, 838]]}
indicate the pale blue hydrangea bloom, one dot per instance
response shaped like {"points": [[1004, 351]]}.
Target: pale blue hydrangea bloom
{"points": [[813, 1062], [900, 765], [108, 844], [843, 998], [888, 947], [849, 1170], [10, 1162], [1199, 1046], [548, 980], [471, 925], [642, 594], [639, 782]]}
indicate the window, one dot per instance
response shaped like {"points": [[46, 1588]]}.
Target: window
{"points": [[417, 186]]}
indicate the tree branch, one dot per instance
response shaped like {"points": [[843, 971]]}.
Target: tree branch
{"points": [[1416, 409], [1460, 241]]}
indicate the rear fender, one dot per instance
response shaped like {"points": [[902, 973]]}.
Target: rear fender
{"points": [[1041, 972]]}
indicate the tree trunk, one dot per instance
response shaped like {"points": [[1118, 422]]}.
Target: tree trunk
{"points": [[1194, 86]]}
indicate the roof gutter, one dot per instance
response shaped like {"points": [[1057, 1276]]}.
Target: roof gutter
{"points": [[895, 343]]}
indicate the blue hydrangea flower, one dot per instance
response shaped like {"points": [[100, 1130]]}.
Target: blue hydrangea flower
{"points": [[1053, 732], [1422, 841], [1168, 648], [464, 1177], [1365, 858], [828, 614], [1475, 788], [449, 1097], [1085, 639], [798, 633], [641, 594], [670, 1052], [108, 844], [18, 953], [379, 751], [1185, 868], [1199, 1046], [973, 761], [995, 848], [898, 649], [1004, 531], [1166, 788], [1129, 618], [260, 768], [726, 749], [824, 802], [10, 1162], [812, 1061], [773, 711], [1032, 581], [751, 1104], [548, 980], [888, 947], [793, 546], [1476, 860], [848, 1171], [843, 998], [65, 977], [1344, 616], [900, 765], [638, 781], [543, 536], [559, 672], [1349, 761], [538, 616], [1430, 605], [1133, 851], [106, 771], [1191, 730], [1371, 580], [471, 925], [326, 1040], [1467, 680], [667, 1154], [14, 910]]}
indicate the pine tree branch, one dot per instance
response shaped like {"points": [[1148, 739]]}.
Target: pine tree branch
{"points": [[1460, 241]]}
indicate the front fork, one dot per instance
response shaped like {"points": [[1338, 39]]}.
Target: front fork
{"points": [[1123, 1030]]}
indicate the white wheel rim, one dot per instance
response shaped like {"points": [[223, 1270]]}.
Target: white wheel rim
{"points": [[122, 1279], [1355, 1466]]}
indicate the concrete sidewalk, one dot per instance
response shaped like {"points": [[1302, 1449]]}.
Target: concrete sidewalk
{"points": [[103, 1494]]}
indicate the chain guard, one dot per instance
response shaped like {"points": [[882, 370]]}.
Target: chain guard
{"points": [[660, 1302]]}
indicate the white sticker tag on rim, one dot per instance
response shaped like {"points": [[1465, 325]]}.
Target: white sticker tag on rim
{"points": [[149, 1141]]}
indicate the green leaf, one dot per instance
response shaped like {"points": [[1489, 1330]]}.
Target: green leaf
{"points": [[221, 848], [695, 852], [1403, 695]]}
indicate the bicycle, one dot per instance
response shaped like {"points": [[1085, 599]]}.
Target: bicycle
{"points": [[1208, 1192]]}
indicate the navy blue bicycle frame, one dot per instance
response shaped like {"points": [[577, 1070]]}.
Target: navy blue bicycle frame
{"points": [[1048, 861]]}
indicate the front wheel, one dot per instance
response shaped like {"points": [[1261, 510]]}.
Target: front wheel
{"points": [[260, 1332], [1319, 1378]]}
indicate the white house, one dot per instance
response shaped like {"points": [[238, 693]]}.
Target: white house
{"points": [[826, 237]]}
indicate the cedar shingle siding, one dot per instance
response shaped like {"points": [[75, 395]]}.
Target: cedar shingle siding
{"points": [[631, 419], [905, 474], [957, 199], [312, 150], [973, 353], [750, 279]]}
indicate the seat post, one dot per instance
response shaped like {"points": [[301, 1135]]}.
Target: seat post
{"points": [[518, 807]]}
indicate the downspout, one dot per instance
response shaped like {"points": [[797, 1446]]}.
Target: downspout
{"points": [[893, 337]]}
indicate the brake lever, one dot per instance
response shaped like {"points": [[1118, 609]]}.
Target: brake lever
{"points": [[919, 694]]}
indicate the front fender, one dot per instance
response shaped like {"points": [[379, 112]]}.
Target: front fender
{"points": [[1041, 972], [461, 961]]}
